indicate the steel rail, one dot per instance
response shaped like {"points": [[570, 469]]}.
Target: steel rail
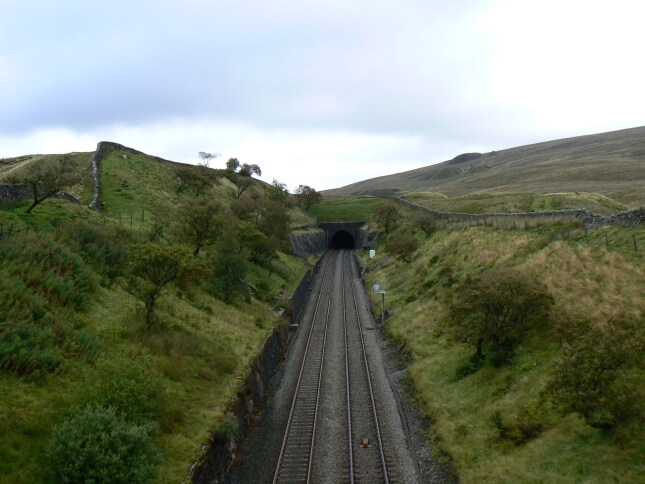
{"points": [[369, 380], [349, 404], [287, 433]]}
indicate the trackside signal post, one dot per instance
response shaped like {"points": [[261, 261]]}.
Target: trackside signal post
{"points": [[382, 292]]}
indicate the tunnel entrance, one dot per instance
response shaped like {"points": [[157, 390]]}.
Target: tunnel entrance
{"points": [[342, 240]]}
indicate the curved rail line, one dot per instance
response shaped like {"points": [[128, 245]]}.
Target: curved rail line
{"points": [[294, 463]]}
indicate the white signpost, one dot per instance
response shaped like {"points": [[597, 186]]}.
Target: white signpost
{"points": [[382, 292]]}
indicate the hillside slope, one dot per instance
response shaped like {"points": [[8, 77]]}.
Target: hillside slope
{"points": [[612, 164]]}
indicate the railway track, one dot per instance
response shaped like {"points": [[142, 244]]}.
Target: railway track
{"points": [[360, 455]]}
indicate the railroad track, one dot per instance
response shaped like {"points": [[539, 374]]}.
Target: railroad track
{"points": [[367, 460], [294, 463]]}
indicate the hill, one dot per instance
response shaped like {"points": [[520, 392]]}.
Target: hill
{"points": [[567, 404], [100, 334], [611, 164]]}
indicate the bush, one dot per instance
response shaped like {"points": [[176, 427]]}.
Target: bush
{"points": [[96, 445], [470, 367], [402, 245], [48, 269], [424, 221], [598, 373], [131, 388], [101, 246], [494, 311]]}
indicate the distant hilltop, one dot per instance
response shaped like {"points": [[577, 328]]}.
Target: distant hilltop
{"points": [[612, 164]]}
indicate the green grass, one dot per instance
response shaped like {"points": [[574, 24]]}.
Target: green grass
{"points": [[346, 209], [516, 202], [586, 281], [606, 163], [199, 349]]}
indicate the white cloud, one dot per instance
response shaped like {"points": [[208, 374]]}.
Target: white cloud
{"points": [[362, 87]]}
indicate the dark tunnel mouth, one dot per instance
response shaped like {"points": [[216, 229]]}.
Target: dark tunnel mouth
{"points": [[342, 240]]}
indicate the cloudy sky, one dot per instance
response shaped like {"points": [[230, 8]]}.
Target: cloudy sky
{"points": [[323, 93]]}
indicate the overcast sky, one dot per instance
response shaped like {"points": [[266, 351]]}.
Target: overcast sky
{"points": [[323, 93]]}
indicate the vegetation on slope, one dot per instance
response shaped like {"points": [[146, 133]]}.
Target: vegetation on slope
{"points": [[563, 402], [607, 163], [81, 351], [515, 202]]}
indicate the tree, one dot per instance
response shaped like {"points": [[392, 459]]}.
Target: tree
{"points": [[47, 179], [496, 310], [424, 221], [243, 183], [191, 178], [261, 249], [232, 164], [248, 170], [207, 157], [307, 196], [597, 375], [386, 216], [152, 268], [277, 192], [201, 222], [403, 245], [229, 268]]}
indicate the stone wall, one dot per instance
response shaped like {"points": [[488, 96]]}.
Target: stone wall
{"points": [[628, 218], [219, 452], [15, 192], [309, 243]]}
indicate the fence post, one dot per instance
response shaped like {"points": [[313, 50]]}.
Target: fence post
{"points": [[635, 244], [586, 236]]}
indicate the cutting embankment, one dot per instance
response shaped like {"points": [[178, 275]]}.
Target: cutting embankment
{"points": [[125, 334], [524, 351]]}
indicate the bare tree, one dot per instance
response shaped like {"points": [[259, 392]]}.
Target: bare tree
{"points": [[207, 157], [46, 180]]}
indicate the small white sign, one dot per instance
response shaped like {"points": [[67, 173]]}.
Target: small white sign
{"points": [[377, 288], [372, 253]]}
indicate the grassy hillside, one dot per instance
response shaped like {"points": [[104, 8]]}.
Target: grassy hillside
{"points": [[612, 164], [499, 423], [72, 333], [515, 202]]}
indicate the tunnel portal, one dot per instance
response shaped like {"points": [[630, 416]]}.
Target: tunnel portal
{"points": [[342, 240], [342, 235]]}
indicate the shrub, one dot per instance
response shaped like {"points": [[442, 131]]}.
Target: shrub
{"points": [[403, 245], [494, 311], [424, 221], [101, 246], [597, 375], [96, 445], [470, 367], [130, 387]]}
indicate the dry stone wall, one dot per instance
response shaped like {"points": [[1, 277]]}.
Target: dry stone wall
{"points": [[628, 218]]}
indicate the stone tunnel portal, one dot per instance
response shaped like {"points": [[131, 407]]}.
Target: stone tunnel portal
{"points": [[342, 240]]}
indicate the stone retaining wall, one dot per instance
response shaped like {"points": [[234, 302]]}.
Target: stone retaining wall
{"points": [[217, 455]]}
